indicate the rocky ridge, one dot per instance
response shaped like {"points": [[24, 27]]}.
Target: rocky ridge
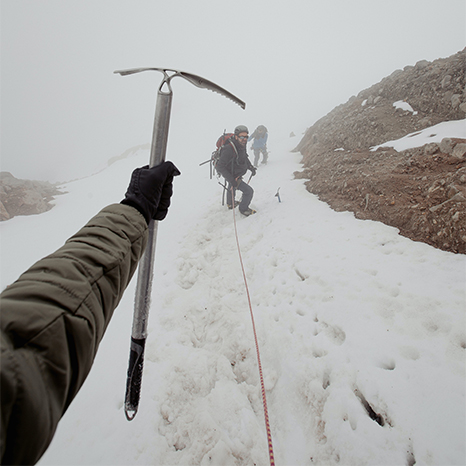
{"points": [[28, 197], [421, 191], [24, 197]]}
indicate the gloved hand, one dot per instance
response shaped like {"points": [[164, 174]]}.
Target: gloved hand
{"points": [[253, 171], [150, 190]]}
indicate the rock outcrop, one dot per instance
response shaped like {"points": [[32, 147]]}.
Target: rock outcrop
{"points": [[420, 191], [24, 197]]}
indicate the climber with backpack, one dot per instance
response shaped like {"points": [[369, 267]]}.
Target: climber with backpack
{"points": [[233, 163]]}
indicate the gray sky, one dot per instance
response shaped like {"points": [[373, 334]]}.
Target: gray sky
{"points": [[64, 112]]}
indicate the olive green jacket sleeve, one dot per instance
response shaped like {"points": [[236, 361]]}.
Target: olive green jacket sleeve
{"points": [[52, 321]]}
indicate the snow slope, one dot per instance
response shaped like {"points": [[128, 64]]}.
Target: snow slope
{"points": [[351, 317], [427, 135]]}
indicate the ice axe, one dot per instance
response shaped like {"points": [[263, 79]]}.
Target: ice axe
{"points": [[145, 273], [278, 195]]}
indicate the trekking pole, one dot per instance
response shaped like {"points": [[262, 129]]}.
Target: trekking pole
{"points": [[223, 192], [207, 161], [145, 272]]}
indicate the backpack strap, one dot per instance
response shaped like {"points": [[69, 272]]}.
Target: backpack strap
{"points": [[234, 147], [233, 158]]}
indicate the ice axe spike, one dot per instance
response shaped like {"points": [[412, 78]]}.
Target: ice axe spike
{"points": [[278, 195], [145, 269]]}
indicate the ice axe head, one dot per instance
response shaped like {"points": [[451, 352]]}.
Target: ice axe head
{"points": [[197, 81]]}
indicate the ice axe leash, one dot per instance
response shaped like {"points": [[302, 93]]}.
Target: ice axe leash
{"points": [[145, 269]]}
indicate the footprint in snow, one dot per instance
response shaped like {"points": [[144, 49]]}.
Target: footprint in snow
{"points": [[333, 332]]}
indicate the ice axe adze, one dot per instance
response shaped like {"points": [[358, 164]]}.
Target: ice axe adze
{"points": [[145, 272]]}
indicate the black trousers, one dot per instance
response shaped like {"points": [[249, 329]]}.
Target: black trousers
{"points": [[247, 191]]}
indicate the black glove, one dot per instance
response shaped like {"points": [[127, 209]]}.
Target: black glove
{"points": [[150, 190], [253, 171]]}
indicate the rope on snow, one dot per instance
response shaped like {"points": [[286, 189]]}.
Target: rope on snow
{"points": [[264, 399]]}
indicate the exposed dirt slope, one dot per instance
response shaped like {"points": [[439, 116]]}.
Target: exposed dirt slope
{"points": [[420, 191]]}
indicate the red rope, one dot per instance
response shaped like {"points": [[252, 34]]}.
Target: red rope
{"points": [[264, 400]]}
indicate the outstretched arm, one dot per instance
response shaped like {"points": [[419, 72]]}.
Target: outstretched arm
{"points": [[55, 315]]}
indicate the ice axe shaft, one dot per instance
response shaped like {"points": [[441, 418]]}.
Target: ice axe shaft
{"points": [[145, 269]]}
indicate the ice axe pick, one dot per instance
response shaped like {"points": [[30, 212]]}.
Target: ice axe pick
{"points": [[278, 195], [145, 270]]}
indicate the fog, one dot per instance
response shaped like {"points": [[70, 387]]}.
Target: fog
{"points": [[64, 113]]}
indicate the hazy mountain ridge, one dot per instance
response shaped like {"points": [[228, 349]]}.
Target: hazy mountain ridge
{"points": [[420, 191], [24, 197], [28, 197]]}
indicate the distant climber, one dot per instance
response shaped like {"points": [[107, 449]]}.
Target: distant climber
{"points": [[259, 145]]}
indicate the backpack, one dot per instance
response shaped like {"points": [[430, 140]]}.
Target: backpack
{"points": [[222, 141]]}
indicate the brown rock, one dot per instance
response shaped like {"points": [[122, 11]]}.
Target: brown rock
{"points": [[459, 151], [24, 197], [446, 146], [421, 191]]}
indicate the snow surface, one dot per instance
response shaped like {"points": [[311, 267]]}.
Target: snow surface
{"points": [[404, 106], [348, 313], [456, 128]]}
